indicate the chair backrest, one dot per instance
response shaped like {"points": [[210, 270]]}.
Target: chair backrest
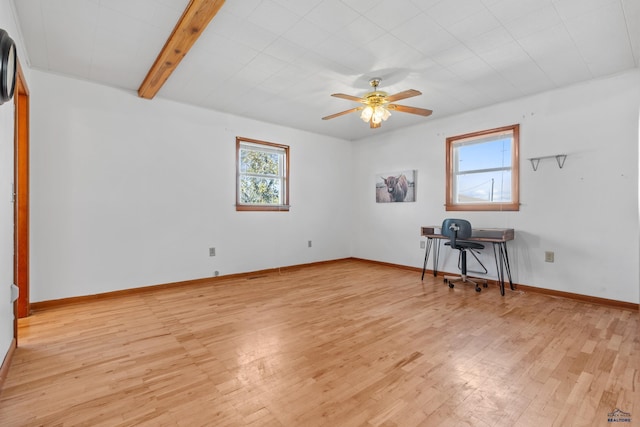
{"points": [[455, 228]]}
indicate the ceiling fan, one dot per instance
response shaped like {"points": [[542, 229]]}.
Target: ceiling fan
{"points": [[377, 104]]}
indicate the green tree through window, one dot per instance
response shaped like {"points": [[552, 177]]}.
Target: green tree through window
{"points": [[262, 175]]}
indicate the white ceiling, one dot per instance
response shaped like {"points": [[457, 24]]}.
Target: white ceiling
{"points": [[279, 60]]}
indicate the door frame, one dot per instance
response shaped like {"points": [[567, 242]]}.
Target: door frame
{"points": [[21, 198]]}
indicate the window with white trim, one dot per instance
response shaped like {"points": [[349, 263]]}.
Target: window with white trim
{"points": [[262, 170]]}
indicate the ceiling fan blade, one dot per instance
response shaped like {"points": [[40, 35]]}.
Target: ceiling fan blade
{"points": [[342, 113], [403, 95], [348, 97], [412, 110]]}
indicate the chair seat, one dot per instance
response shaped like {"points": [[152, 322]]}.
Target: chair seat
{"points": [[466, 245]]}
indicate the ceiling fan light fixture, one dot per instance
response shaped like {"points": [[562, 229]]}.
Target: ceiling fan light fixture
{"points": [[366, 114], [376, 114], [380, 114]]}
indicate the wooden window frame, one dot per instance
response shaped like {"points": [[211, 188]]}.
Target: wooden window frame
{"points": [[514, 204], [284, 206]]}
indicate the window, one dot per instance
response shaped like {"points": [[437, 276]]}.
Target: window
{"points": [[482, 171], [262, 170]]}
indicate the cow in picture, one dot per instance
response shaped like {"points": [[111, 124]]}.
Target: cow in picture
{"points": [[396, 187]]}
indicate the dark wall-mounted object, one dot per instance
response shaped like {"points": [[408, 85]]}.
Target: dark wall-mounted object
{"points": [[8, 65]]}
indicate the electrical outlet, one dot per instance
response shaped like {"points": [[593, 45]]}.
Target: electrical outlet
{"points": [[309, 244], [421, 244], [549, 256], [212, 251], [216, 273]]}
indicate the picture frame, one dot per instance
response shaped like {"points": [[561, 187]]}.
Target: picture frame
{"points": [[396, 187]]}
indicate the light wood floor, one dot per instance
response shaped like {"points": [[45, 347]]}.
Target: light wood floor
{"points": [[348, 343]]}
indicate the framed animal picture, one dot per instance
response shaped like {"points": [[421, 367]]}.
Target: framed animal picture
{"points": [[394, 187]]}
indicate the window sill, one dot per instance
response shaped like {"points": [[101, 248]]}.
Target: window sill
{"points": [[254, 208], [497, 207]]}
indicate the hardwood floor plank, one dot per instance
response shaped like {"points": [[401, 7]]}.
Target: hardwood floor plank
{"points": [[347, 343]]}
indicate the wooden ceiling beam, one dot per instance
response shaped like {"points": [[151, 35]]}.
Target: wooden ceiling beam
{"points": [[192, 23]]}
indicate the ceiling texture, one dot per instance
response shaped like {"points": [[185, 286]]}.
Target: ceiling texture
{"points": [[279, 61]]}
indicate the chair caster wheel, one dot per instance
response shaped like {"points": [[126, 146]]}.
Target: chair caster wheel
{"points": [[451, 285], [485, 285], [478, 289]]}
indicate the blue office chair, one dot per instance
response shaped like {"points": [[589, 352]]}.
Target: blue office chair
{"points": [[457, 230]]}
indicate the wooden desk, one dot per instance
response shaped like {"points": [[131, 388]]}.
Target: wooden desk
{"points": [[498, 237]]}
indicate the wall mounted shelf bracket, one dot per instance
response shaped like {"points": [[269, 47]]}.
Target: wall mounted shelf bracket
{"points": [[560, 158]]}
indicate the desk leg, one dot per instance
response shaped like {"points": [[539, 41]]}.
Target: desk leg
{"points": [[501, 253], [508, 267], [426, 255], [497, 253], [436, 255]]}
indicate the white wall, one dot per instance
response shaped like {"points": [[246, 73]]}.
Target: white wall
{"points": [[6, 225], [586, 212], [7, 23], [128, 192]]}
